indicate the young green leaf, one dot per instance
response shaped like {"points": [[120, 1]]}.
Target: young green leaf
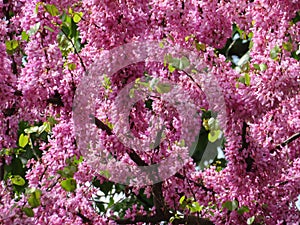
{"points": [[181, 199], [163, 88], [230, 205], [71, 66], [77, 17], [161, 44], [171, 68], [274, 52], [34, 29], [51, 9], [23, 140], [243, 209], [195, 207], [49, 28], [200, 46], [183, 63], [250, 220], [25, 36], [247, 79], [31, 130], [28, 211], [105, 173], [288, 46], [256, 66], [263, 67], [34, 199], [11, 45], [69, 184], [68, 171], [131, 93], [17, 180], [213, 135]]}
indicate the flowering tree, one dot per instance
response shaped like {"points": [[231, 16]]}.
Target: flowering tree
{"points": [[250, 47]]}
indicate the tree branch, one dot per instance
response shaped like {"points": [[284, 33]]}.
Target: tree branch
{"points": [[75, 50], [244, 134], [287, 141], [162, 213]]}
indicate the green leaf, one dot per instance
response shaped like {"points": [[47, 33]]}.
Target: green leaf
{"points": [[52, 121], [274, 52], [187, 38], [71, 66], [171, 68], [49, 28], [77, 16], [247, 79], [131, 93], [31, 130], [256, 66], [47, 127], [243, 209], [51, 9], [250, 220], [23, 140], [105, 173], [11, 45], [17, 180], [34, 29], [25, 36], [263, 67], [28, 211], [171, 219], [195, 207], [175, 62], [183, 63], [200, 46], [163, 88], [77, 161], [213, 135], [230, 205], [69, 184], [181, 199], [242, 79], [161, 44], [288, 46], [34, 199], [68, 171], [37, 7], [213, 124]]}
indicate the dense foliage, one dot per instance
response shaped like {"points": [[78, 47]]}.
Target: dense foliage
{"points": [[251, 47]]}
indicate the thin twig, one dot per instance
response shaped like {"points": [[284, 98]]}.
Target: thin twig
{"points": [[75, 50], [287, 141]]}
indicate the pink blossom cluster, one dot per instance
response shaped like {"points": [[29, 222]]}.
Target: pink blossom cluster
{"points": [[41, 68]]}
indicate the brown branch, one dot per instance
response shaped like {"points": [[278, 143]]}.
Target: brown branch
{"points": [[192, 79], [287, 141], [158, 198], [244, 134], [75, 50], [162, 212], [101, 125], [180, 176]]}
